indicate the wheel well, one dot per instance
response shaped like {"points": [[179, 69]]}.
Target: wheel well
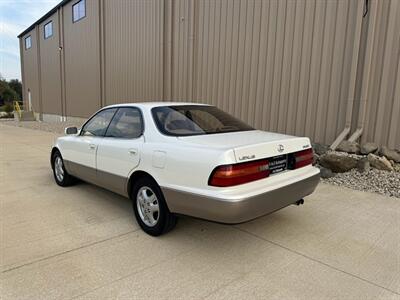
{"points": [[135, 176], [54, 150]]}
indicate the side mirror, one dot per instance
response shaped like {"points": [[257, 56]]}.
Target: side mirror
{"points": [[71, 130]]}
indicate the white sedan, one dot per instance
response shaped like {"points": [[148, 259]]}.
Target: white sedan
{"points": [[185, 158]]}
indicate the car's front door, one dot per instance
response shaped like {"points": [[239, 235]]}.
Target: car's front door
{"points": [[119, 151], [80, 152]]}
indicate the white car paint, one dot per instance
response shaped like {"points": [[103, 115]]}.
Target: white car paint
{"points": [[119, 156], [185, 163]]}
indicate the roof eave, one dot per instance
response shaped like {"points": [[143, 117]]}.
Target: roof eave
{"points": [[43, 18]]}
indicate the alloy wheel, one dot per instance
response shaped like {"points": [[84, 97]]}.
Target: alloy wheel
{"points": [[147, 206], [58, 168]]}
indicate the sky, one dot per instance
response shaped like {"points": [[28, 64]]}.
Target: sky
{"points": [[15, 17]]}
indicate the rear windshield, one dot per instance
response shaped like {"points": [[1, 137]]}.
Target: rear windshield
{"points": [[186, 120]]}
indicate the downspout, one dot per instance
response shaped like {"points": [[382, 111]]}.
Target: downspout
{"points": [[102, 55], [168, 16], [353, 75], [60, 49], [39, 63], [21, 55], [366, 74], [192, 48]]}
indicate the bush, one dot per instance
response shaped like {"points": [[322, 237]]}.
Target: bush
{"points": [[8, 108], [7, 116]]}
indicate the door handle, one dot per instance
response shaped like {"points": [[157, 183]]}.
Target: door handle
{"points": [[92, 146], [132, 151]]}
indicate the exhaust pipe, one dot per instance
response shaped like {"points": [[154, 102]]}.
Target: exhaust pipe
{"points": [[299, 202]]}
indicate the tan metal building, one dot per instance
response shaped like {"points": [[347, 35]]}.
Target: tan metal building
{"points": [[325, 69]]}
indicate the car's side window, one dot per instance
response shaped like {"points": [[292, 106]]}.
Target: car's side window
{"points": [[98, 124], [127, 124]]}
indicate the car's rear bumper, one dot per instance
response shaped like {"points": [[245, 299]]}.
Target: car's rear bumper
{"points": [[242, 210]]}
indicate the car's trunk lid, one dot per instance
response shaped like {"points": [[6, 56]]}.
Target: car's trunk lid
{"points": [[251, 145]]}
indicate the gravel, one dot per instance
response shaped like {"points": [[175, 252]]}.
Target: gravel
{"points": [[373, 180], [381, 182]]}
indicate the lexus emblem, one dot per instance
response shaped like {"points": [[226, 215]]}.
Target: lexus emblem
{"points": [[280, 148]]}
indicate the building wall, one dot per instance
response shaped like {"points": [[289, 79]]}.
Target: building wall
{"points": [[50, 68], [31, 70], [304, 67], [82, 61], [382, 86], [133, 50], [284, 66]]}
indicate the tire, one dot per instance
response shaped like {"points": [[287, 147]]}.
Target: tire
{"points": [[150, 208], [61, 175]]}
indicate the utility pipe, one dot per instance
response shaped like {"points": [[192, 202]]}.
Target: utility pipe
{"points": [[353, 75], [362, 111]]}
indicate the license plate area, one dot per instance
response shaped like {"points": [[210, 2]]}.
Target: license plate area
{"points": [[278, 164]]}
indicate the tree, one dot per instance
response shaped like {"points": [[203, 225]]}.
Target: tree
{"points": [[3, 88], [16, 85], [7, 94]]}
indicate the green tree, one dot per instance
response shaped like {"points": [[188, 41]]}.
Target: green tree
{"points": [[3, 88], [7, 94], [16, 85]]}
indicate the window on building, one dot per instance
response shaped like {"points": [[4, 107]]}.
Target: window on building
{"points": [[78, 10], [48, 30], [28, 42], [126, 124]]}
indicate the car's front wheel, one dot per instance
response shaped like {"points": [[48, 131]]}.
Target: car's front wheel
{"points": [[150, 208], [61, 175]]}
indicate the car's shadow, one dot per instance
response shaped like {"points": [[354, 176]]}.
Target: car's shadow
{"points": [[96, 195]]}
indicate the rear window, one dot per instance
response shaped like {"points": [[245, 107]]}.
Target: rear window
{"points": [[186, 120]]}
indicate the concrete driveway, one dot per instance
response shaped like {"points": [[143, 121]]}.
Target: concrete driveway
{"points": [[83, 242]]}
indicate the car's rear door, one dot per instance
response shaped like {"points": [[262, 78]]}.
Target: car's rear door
{"points": [[80, 151], [119, 151]]}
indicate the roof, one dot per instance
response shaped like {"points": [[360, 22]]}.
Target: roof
{"points": [[155, 104], [52, 11]]}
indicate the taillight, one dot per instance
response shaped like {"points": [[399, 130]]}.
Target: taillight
{"points": [[230, 175], [303, 158]]}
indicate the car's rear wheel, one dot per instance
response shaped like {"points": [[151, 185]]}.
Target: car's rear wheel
{"points": [[61, 175], [150, 208]]}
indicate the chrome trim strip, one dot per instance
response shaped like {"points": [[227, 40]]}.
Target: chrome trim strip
{"points": [[231, 212]]}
